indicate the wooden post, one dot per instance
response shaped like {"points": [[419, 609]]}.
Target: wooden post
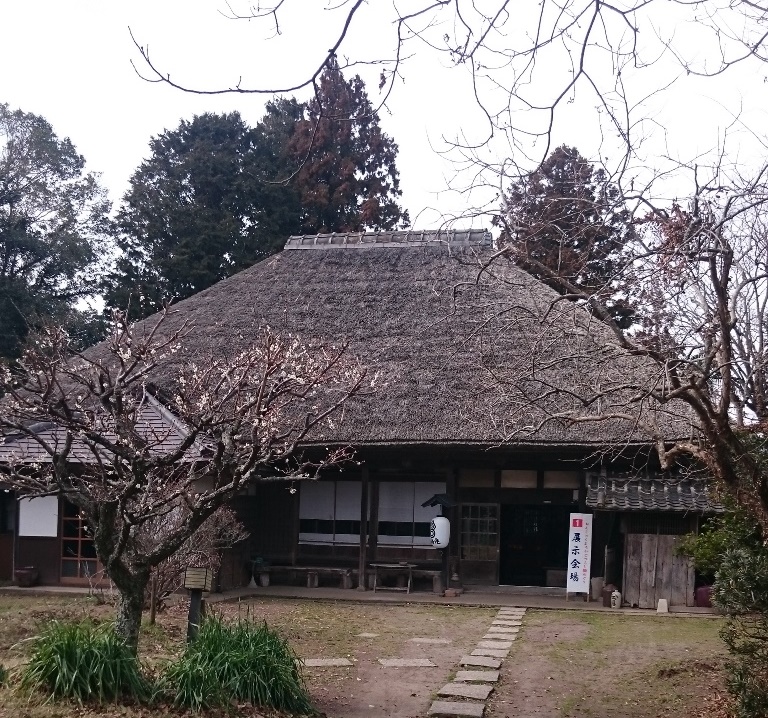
{"points": [[453, 550], [195, 613], [373, 521], [362, 557], [152, 598], [446, 567]]}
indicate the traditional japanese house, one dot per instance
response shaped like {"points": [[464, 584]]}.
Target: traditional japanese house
{"points": [[492, 390]]}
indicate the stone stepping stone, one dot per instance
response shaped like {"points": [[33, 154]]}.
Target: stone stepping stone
{"points": [[466, 690], [367, 635], [504, 629], [494, 652], [407, 663], [482, 661], [494, 644], [519, 614], [321, 662], [454, 708], [493, 636], [436, 641], [513, 624], [477, 676]]}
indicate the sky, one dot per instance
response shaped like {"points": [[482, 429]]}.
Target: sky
{"points": [[71, 62]]}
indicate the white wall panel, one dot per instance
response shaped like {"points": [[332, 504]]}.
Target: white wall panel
{"points": [[396, 501], [348, 497], [39, 516], [316, 500]]}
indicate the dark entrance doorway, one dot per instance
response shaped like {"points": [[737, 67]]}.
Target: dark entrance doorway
{"points": [[534, 545]]}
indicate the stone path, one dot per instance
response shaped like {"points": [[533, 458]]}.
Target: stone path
{"points": [[471, 684], [479, 670]]}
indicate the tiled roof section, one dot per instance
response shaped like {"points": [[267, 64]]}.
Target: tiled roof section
{"points": [[162, 431], [392, 238], [650, 494]]}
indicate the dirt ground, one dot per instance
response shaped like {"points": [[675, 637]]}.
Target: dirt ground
{"points": [[570, 664], [331, 630]]}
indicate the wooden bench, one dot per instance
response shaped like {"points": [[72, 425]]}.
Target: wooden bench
{"points": [[346, 576], [313, 574], [435, 574]]}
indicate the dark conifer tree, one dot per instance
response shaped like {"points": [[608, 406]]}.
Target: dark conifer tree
{"points": [[215, 196], [201, 208], [566, 221], [54, 230], [347, 178]]}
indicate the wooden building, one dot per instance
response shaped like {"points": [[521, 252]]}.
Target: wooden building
{"points": [[518, 406]]}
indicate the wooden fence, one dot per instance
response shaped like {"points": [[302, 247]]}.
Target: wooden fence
{"points": [[653, 570]]}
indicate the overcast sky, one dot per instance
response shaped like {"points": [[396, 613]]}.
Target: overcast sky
{"points": [[71, 62]]}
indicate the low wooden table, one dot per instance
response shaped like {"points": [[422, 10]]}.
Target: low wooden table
{"points": [[403, 568]]}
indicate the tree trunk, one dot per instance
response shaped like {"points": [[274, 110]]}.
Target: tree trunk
{"points": [[129, 608]]}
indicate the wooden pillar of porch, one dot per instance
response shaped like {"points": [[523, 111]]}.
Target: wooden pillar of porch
{"points": [[362, 557]]}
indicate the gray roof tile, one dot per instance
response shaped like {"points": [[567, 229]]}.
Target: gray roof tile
{"points": [[162, 431], [658, 493]]}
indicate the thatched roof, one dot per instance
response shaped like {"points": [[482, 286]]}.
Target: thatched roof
{"points": [[464, 356]]}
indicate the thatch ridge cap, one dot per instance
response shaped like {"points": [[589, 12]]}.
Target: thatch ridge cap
{"points": [[391, 238]]}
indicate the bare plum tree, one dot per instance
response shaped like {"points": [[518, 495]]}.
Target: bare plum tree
{"points": [[93, 428], [221, 530]]}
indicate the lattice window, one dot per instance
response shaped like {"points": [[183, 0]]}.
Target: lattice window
{"points": [[479, 532]]}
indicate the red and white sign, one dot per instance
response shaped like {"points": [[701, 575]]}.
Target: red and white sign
{"points": [[579, 553]]}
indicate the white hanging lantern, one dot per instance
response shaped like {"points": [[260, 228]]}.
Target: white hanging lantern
{"points": [[440, 532]]}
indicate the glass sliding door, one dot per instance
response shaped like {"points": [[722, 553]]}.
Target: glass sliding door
{"points": [[78, 554]]}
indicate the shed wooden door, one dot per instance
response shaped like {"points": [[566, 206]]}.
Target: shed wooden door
{"points": [[653, 570]]}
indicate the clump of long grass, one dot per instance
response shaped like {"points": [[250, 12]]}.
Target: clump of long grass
{"points": [[3, 675], [241, 661], [83, 662]]}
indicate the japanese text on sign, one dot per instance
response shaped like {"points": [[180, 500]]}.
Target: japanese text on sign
{"points": [[579, 553]]}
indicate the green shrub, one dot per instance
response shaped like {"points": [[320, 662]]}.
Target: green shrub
{"points": [[747, 670], [731, 550], [241, 661], [730, 531], [83, 662], [741, 590]]}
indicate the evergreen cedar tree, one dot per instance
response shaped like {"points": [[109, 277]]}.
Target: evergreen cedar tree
{"points": [[565, 221], [53, 230], [349, 181], [198, 210], [216, 196]]}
